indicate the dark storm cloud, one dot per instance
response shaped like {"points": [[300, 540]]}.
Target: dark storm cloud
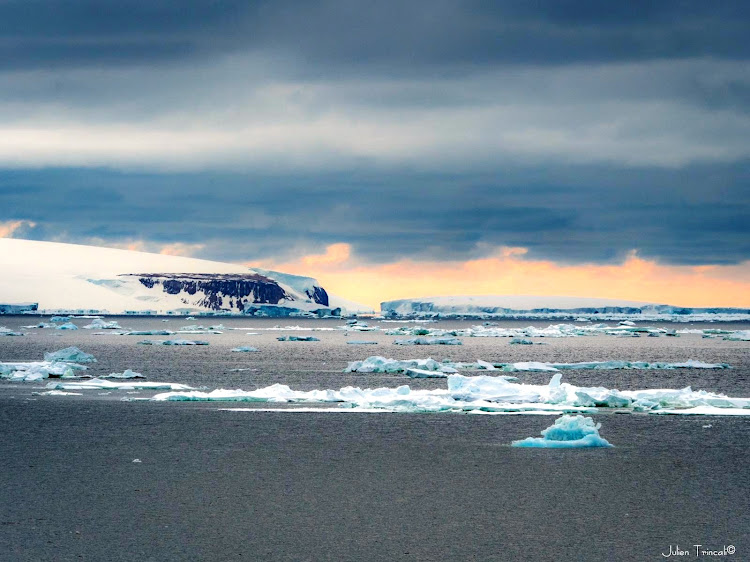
{"points": [[393, 36], [428, 130], [692, 216]]}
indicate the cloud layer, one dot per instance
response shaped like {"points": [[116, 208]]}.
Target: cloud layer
{"points": [[427, 131]]}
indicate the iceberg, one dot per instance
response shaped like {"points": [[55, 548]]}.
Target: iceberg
{"points": [[297, 338], [377, 364], [739, 335], [244, 349], [126, 374], [70, 355], [566, 433], [67, 326], [99, 324], [37, 370], [172, 342], [429, 341], [521, 341], [8, 332]]}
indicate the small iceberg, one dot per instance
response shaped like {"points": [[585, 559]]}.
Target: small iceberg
{"points": [[361, 342], [568, 432], [245, 349], [521, 341], [69, 355], [429, 341], [126, 374], [297, 338], [99, 324], [8, 332], [67, 326], [172, 342]]}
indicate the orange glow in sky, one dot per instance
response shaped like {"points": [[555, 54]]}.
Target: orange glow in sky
{"points": [[509, 272]]}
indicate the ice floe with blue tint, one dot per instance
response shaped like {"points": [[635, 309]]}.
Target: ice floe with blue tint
{"points": [[568, 432], [8, 332], [361, 342], [739, 335], [70, 355], [173, 342], [244, 349], [67, 326], [297, 338], [429, 341], [99, 324]]}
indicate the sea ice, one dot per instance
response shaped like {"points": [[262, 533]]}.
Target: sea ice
{"points": [[8, 332], [70, 355], [361, 342], [521, 341], [99, 384], [377, 364], [173, 342], [297, 338], [567, 432], [739, 335], [99, 324], [126, 374], [429, 341], [67, 326], [484, 394], [148, 333], [37, 370], [244, 349]]}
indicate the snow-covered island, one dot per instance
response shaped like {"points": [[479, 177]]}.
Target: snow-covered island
{"points": [[91, 280]]}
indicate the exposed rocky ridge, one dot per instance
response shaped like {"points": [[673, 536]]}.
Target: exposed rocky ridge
{"points": [[225, 291]]}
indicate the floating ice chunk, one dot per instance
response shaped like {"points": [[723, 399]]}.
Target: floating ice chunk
{"points": [[528, 366], [67, 326], [99, 324], [567, 432], [297, 338], [377, 364], [147, 333], [70, 355], [59, 319], [173, 342], [361, 342], [57, 393], [521, 341], [38, 370], [8, 332], [626, 323], [244, 349], [101, 384], [424, 374], [739, 335], [126, 374], [429, 341]]}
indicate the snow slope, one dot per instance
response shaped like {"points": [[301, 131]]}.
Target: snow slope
{"points": [[89, 278]]}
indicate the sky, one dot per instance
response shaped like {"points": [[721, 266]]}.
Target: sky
{"points": [[391, 149]]}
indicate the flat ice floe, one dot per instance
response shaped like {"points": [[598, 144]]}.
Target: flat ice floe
{"points": [[172, 342], [484, 394], [8, 332], [429, 341], [297, 338], [101, 384], [244, 349], [568, 432]]}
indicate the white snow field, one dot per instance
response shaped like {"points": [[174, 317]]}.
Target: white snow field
{"points": [[91, 279]]}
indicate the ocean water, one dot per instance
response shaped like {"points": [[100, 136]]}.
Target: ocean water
{"points": [[214, 484]]}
